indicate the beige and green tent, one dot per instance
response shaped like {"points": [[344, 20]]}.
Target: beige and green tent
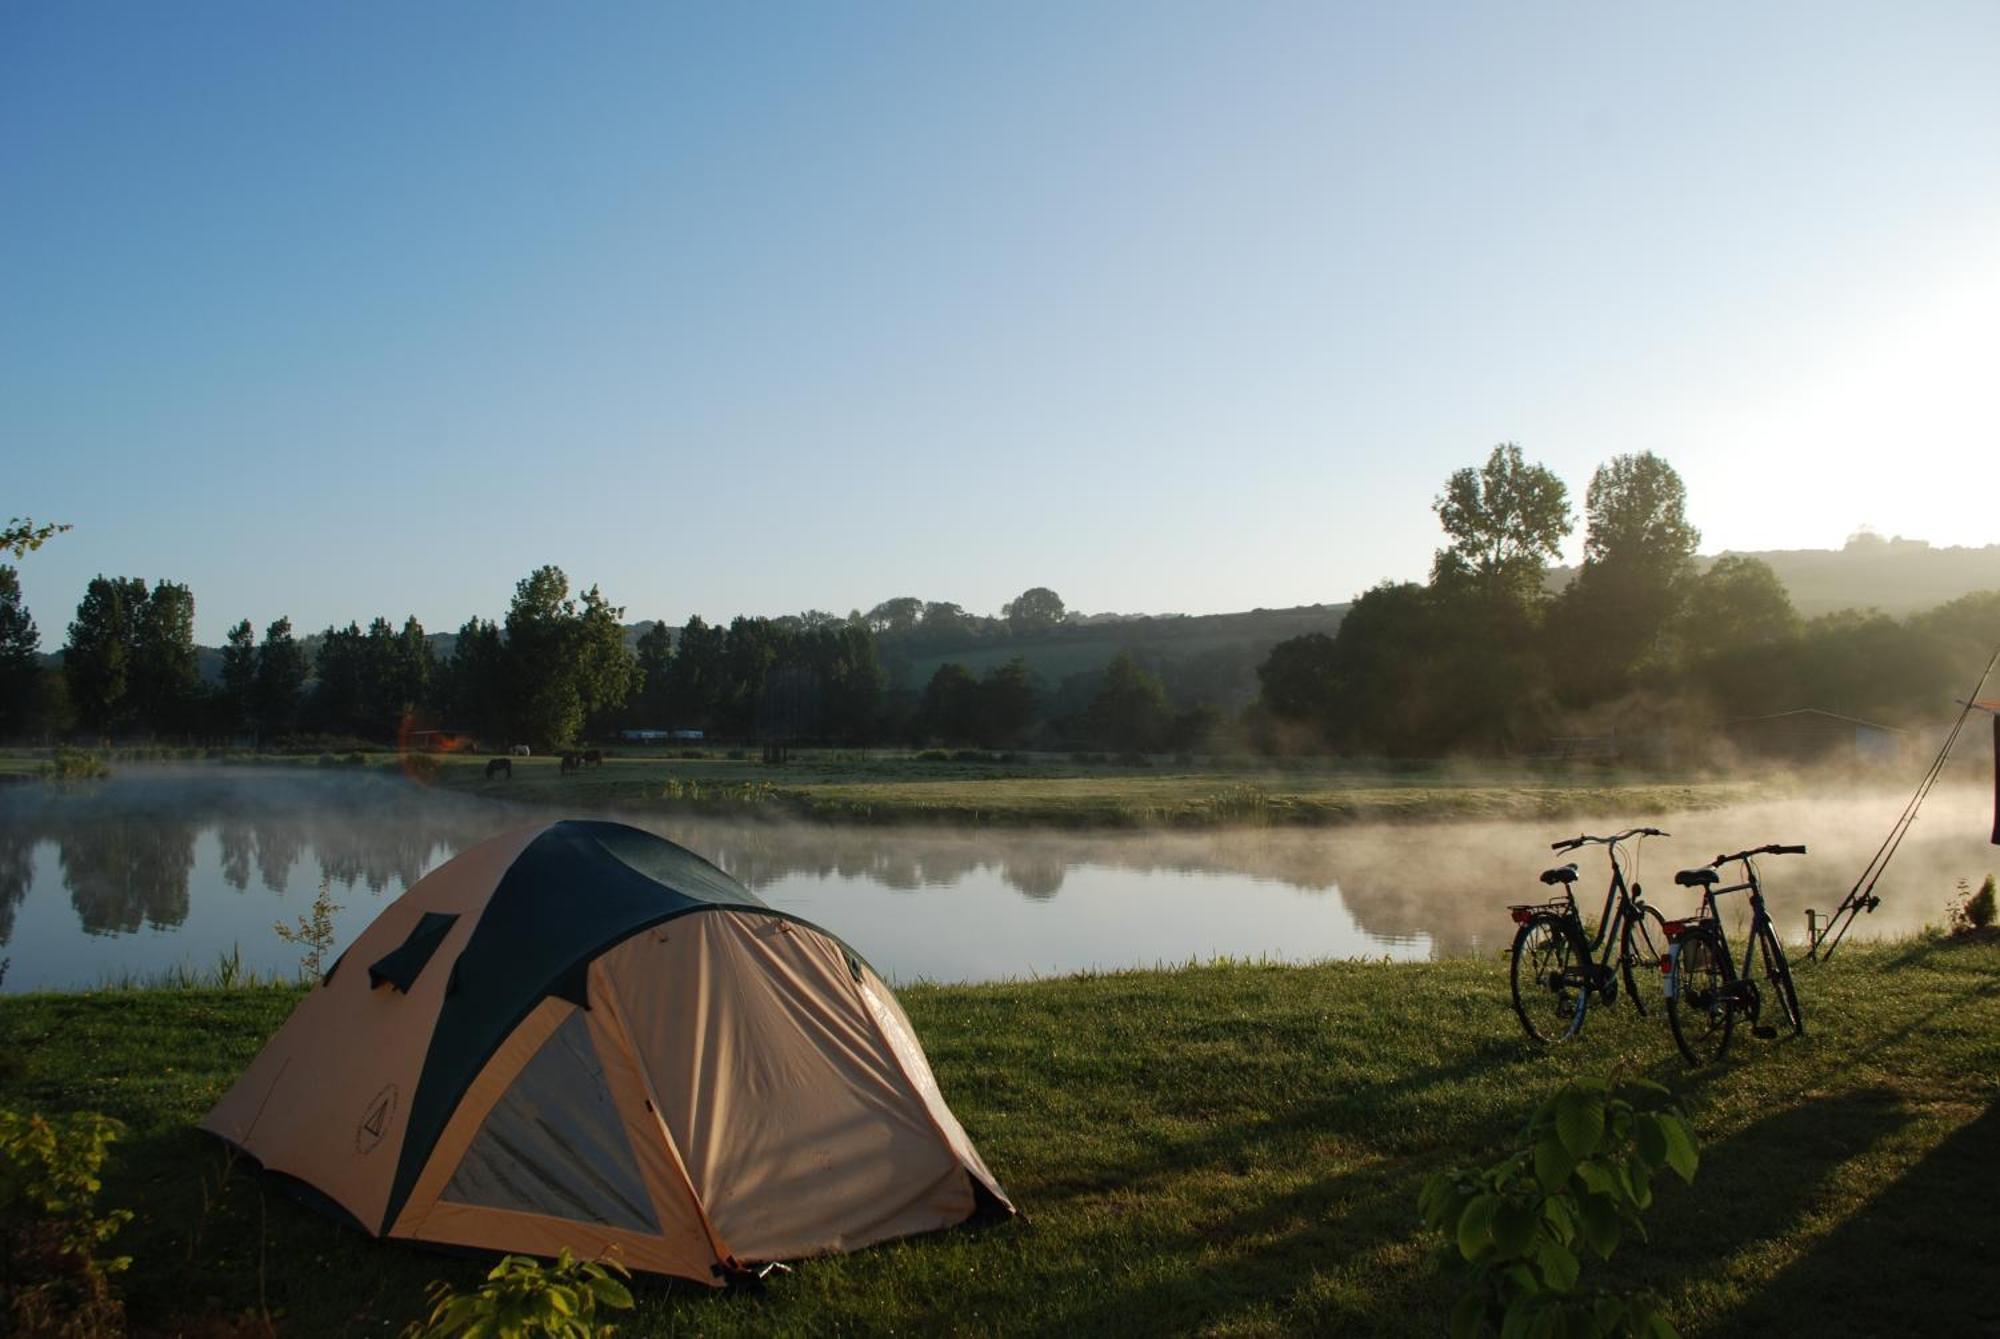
{"points": [[582, 1035]]}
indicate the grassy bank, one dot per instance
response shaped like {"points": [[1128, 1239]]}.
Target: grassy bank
{"points": [[1045, 791], [1226, 1149]]}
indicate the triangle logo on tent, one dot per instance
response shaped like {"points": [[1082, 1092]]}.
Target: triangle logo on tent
{"points": [[375, 1123]]}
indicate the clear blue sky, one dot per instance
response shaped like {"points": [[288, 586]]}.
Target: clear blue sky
{"points": [[336, 310]]}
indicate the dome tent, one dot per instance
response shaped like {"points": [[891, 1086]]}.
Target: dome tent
{"points": [[582, 1035]]}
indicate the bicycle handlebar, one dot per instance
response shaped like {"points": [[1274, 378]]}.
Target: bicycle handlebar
{"points": [[1772, 849], [1581, 840]]}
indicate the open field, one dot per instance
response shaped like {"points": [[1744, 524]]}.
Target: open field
{"points": [[1227, 1149], [1043, 790]]}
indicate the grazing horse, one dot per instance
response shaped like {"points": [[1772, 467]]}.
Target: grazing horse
{"points": [[499, 767], [593, 757], [570, 763], [521, 751]]}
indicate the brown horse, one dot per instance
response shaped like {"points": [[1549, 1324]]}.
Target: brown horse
{"points": [[571, 762], [499, 767]]}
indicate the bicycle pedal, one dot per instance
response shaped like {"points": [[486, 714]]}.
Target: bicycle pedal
{"points": [[1764, 1032]]}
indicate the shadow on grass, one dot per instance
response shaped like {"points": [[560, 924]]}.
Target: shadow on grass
{"points": [[1917, 1259]]}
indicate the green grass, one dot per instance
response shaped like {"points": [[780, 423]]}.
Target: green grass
{"points": [[1046, 791], [1228, 1149]]}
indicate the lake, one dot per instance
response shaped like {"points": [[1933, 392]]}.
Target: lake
{"points": [[159, 868]]}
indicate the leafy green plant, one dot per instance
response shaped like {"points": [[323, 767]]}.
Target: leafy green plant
{"points": [[1972, 911], [55, 1282], [69, 764], [1579, 1182], [313, 932], [522, 1298]]}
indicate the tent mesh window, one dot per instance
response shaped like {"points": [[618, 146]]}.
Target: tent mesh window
{"points": [[554, 1145]]}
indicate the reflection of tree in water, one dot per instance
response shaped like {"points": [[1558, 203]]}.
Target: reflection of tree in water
{"points": [[125, 872], [17, 871], [128, 846], [1399, 882], [239, 843], [1038, 875]]}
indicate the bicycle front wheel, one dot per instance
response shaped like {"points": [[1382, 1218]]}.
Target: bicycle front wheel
{"points": [[1778, 972], [1642, 953], [1549, 994], [1700, 1002]]}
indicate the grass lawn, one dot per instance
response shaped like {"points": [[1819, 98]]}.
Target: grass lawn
{"points": [[1225, 1149], [1043, 790]]}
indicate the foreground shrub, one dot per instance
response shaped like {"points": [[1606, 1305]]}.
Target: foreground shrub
{"points": [[523, 1297], [1970, 910], [1581, 1179], [55, 1283], [70, 764]]}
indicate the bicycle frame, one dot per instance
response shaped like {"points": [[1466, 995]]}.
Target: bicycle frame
{"points": [[1759, 918]]}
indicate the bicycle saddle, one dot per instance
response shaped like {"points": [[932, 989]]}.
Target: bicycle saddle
{"points": [[1696, 878], [1560, 874]]}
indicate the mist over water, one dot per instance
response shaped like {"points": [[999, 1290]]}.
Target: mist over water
{"points": [[158, 868]]}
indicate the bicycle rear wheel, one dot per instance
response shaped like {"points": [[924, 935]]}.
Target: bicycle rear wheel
{"points": [[1643, 948], [1779, 973], [1549, 994], [1700, 1003]]}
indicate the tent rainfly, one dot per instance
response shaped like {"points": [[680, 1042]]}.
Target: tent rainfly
{"points": [[582, 1035]]}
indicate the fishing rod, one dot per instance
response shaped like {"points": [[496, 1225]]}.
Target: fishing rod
{"points": [[1862, 897]]}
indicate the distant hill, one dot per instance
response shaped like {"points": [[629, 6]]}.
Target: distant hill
{"points": [[1897, 576]]}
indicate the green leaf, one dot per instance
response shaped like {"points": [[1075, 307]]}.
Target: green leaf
{"points": [[1600, 1225], [1514, 1325], [1579, 1119], [1468, 1317], [1475, 1226], [1559, 1267], [1651, 1139], [1562, 1223], [612, 1293], [1682, 1155], [1553, 1163], [1513, 1228]]}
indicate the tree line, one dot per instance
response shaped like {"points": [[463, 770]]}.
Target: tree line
{"points": [[1485, 657], [554, 671]]}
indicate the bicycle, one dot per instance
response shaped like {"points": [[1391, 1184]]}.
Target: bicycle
{"points": [[1554, 973], [1705, 991]]}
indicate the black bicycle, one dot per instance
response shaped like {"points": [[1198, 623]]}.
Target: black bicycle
{"points": [[1705, 990], [1557, 968]]}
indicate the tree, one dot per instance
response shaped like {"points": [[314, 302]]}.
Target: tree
{"points": [[943, 621], [1739, 637], [1129, 712], [949, 712], [281, 680], [897, 617], [97, 661], [694, 680], [1637, 513], [1037, 610], [607, 674], [655, 665], [21, 536], [238, 701], [415, 666], [474, 681], [1638, 562], [1006, 704], [545, 697], [1505, 522], [165, 682], [1297, 680], [20, 664]]}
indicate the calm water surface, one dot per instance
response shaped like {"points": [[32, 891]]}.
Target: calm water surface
{"points": [[157, 869]]}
